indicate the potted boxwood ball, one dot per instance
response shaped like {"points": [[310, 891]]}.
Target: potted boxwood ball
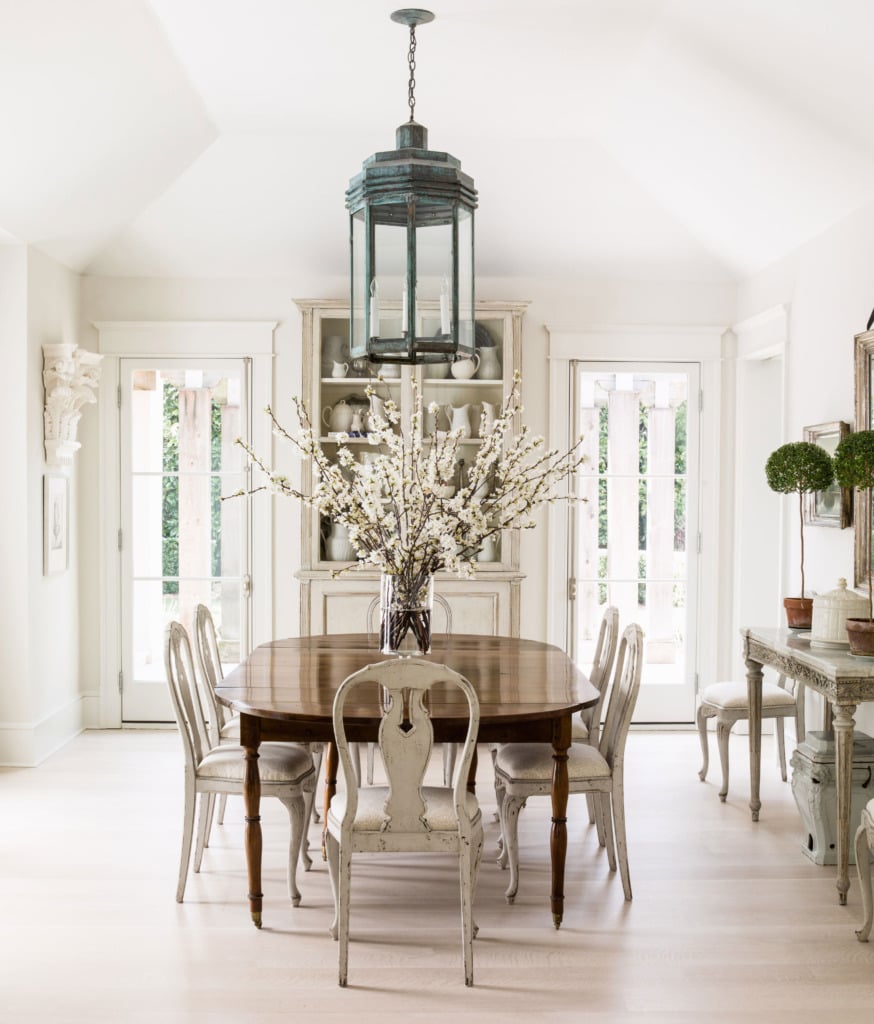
{"points": [[799, 468], [854, 467]]}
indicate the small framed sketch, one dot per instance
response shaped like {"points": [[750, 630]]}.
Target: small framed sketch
{"points": [[833, 506], [56, 524]]}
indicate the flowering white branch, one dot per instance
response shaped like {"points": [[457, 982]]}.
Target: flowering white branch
{"points": [[394, 507]]}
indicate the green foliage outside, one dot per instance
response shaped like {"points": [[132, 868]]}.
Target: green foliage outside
{"points": [[170, 492], [680, 456]]}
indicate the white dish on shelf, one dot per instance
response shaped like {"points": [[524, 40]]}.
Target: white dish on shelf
{"points": [[803, 634]]}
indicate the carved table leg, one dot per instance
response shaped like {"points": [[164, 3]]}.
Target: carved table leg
{"points": [[331, 759], [754, 696], [843, 728], [250, 738], [561, 740]]}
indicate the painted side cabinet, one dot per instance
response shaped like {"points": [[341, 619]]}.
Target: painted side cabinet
{"points": [[813, 786], [334, 392]]}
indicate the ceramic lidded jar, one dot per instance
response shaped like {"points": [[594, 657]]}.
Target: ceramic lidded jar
{"points": [[831, 611]]}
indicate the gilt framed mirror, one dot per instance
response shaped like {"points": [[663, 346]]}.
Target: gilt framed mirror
{"points": [[834, 505], [864, 357]]}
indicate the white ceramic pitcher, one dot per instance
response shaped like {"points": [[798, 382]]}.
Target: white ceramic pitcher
{"points": [[338, 547], [464, 369], [487, 420], [489, 364], [377, 412], [459, 419]]}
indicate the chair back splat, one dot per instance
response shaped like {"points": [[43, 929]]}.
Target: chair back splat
{"points": [[405, 815]]}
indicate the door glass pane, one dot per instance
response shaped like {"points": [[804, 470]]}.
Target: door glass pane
{"points": [[630, 532], [183, 545]]}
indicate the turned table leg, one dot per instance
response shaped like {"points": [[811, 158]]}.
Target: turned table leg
{"points": [[754, 696], [843, 727], [250, 738], [331, 762], [561, 740]]}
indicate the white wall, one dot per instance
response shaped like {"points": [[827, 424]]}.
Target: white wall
{"points": [[41, 700], [16, 523], [829, 287]]}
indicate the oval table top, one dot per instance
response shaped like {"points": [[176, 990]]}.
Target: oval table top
{"points": [[515, 680]]}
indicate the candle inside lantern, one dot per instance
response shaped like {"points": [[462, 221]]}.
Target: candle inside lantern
{"points": [[404, 310], [445, 326], [374, 309]]}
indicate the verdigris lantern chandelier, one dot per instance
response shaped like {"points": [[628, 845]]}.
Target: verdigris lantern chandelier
{"points": [[411, 236]]}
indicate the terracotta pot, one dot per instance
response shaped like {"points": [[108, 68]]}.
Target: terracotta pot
{"points": [[861, 636], [799, 612]]}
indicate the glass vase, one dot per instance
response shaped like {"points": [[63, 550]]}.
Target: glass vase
{"points": [[405, 606]]}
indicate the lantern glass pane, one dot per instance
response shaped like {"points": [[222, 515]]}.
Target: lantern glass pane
{"points": [[433, 260], [389, 269], [358, 271], [466, 324]]}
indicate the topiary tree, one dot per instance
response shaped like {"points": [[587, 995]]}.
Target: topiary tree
{"points": [[799, 467], [854, 467]]}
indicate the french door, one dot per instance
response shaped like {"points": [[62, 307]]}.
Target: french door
{"points": [[634, 535], [180, 545]]}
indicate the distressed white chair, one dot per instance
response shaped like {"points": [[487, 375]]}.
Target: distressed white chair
{"points": [[864, 853], [224, 727], [286, 770], [450, 750], [524, 770], [729, 703], [404, 816], [587, 724]]}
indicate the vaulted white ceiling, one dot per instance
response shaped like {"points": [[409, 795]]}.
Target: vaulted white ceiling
{"points": [[691, 140]]}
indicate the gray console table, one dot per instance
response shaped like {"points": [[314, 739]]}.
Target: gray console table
{"points": [[845, 681]]}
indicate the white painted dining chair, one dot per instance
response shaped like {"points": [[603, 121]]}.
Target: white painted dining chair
{"points": [[403, 816], [450, 750], [524, 770], [864, 850], [224, 727], [587, 724], [286, 770], [729, 703]]}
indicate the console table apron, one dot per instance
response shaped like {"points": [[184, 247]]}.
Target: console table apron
{"points": [[284, 690], [845, 681]]}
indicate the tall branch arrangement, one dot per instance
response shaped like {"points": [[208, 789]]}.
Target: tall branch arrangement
{"points": [[393, 507]]}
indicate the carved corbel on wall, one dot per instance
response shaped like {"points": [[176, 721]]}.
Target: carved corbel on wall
{"points": [[71, 376]]}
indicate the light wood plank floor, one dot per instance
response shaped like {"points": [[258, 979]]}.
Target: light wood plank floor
{"points": [[730, 921]]}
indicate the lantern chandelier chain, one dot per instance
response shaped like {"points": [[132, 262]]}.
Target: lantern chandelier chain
{"points": [[411, 60], [412, 16]]}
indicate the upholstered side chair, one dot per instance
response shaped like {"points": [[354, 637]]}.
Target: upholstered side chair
{"points": [[729, 703]]}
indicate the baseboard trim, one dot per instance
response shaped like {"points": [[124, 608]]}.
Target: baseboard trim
{"points": [[28, 744]]}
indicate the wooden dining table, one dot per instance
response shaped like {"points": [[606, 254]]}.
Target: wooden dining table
{"points": [[284, 690]]}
